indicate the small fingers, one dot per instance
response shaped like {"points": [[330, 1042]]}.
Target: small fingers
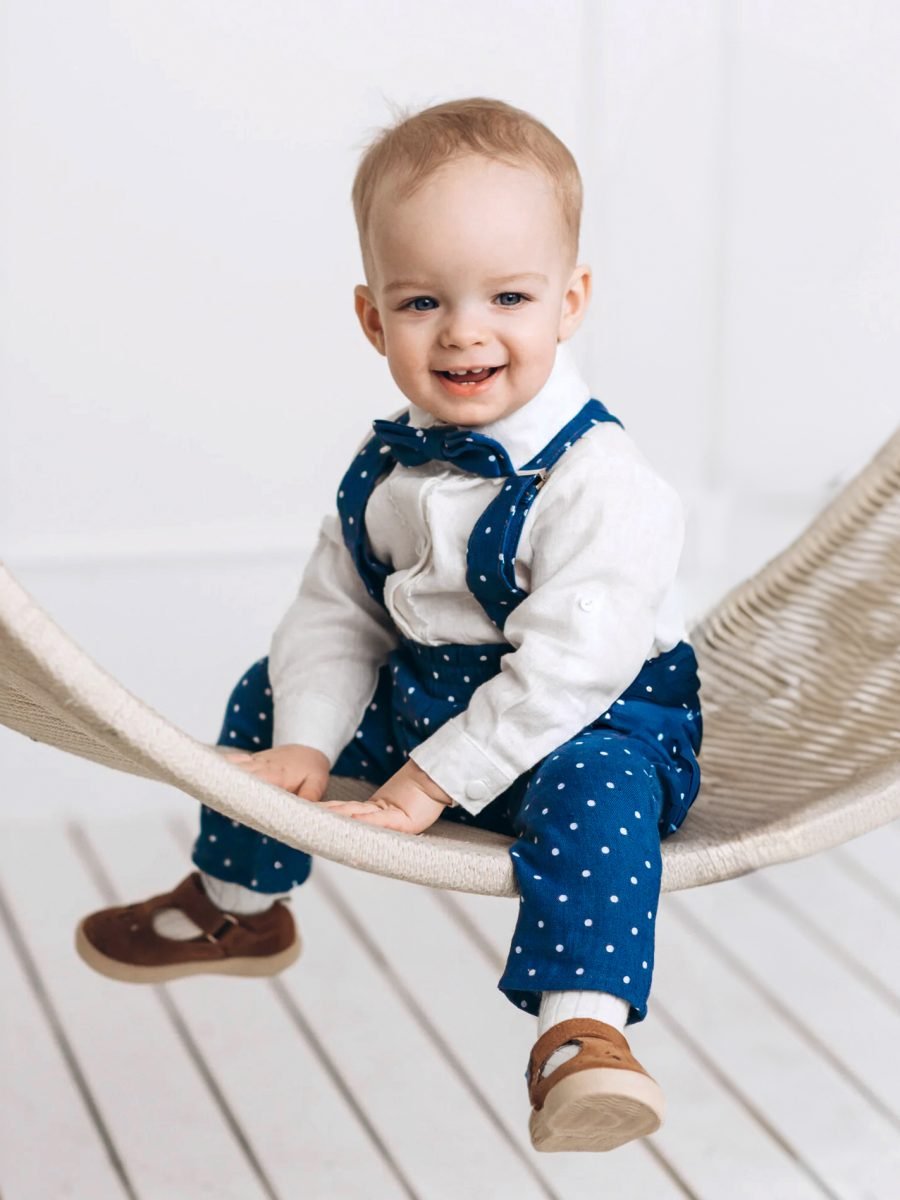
{"points": [[372, 813], [347, 808], [394, 819]]}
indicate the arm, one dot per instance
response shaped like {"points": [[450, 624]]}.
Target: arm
{"points": [[327, 650], [606, 539]]}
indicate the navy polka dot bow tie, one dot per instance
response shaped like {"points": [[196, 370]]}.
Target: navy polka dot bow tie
{"points": [[466, 448]]}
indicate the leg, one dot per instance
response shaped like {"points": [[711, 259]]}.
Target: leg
{"points": [[226, 849], [588, 864], [228, 920]]}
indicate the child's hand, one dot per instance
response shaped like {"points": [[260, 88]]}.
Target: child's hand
{"points": [[409, 802], [298, 769]]}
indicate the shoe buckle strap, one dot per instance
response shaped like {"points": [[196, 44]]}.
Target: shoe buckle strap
{"points": [[574, 1029], [229, 921]]}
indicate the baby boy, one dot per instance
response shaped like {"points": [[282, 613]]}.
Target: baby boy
{"points": [[487, 629]]}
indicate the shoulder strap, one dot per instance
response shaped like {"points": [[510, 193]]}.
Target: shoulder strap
{"points": [[372, 462], [494, 540]]}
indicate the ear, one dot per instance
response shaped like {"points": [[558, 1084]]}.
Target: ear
{"points": [[367, 312], [575, 303]]}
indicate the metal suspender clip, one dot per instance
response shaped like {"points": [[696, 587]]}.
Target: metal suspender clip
{"points": [[541, 477]]}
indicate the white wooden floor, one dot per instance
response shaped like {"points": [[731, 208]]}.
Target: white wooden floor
{"points": [[385, 1063]]}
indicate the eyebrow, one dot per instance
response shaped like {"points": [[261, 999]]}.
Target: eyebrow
{"points": [[400, 284]]}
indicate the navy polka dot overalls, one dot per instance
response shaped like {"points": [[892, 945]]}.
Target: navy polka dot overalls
{"points": [[587, 819]]}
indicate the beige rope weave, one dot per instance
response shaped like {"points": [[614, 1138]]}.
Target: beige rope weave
{"points": [[800, 691]]}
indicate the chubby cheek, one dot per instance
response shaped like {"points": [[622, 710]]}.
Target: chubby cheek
{"points": [[407, 352], [402, 374], [534, 343], [533, 364]]}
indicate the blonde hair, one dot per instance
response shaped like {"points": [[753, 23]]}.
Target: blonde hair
{"points": [[418, 143]]}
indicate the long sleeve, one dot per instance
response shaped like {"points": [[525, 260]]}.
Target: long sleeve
{"points": [[327, 650], [606, 540]]}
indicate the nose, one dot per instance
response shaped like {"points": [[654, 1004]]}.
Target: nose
{"points": [[461, 328]]}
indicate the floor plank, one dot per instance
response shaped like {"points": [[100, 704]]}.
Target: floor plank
{"points": [[390, 1057], [772, 1026], [761, 1045], [284, 1095], [713, 1142], [43, 1101], [814, 987], [846, 917], [446, 977], [162, 1118], [872, 859], [415, 1098]]}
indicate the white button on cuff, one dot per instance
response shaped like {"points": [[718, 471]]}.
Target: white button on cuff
{"points": [[476, 789], [585, 602]]}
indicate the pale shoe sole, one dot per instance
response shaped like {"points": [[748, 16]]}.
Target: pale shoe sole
{"points": [[598, 1108], [269, 964]]}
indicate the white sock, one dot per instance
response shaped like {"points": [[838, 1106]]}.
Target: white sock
{"points": [[230, 897], [562, 1006], [235, 898]]}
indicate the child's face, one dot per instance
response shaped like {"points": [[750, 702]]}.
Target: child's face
{"points": [[471, 271]]}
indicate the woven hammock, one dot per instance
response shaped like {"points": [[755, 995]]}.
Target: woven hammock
{"points": [[800, 690]]}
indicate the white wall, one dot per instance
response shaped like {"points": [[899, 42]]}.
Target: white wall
{"points": [[182, 371], [182, 374]]}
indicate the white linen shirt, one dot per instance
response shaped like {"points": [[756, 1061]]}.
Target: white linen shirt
{"points": [[598, 557]]}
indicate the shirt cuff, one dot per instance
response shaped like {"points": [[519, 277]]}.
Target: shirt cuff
{"points": [[312, 719], [461, 767]]}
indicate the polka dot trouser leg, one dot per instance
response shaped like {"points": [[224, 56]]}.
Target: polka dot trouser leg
{"points": [[588, 865], [226, 848]]}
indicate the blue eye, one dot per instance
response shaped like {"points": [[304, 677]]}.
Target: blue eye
{"points": [[415, 300], [515, 295]]}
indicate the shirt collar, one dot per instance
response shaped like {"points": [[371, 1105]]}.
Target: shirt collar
{"points": [[525, 432]]}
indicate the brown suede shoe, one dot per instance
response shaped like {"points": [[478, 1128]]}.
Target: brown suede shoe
{"points": [[121, 942], [597, 1100]]}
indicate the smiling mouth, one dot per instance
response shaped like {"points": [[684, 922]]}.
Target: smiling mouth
{"points": [[470, 376]]}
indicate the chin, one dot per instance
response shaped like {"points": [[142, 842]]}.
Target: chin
{"points": [[469, 413], [464, 411]]}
